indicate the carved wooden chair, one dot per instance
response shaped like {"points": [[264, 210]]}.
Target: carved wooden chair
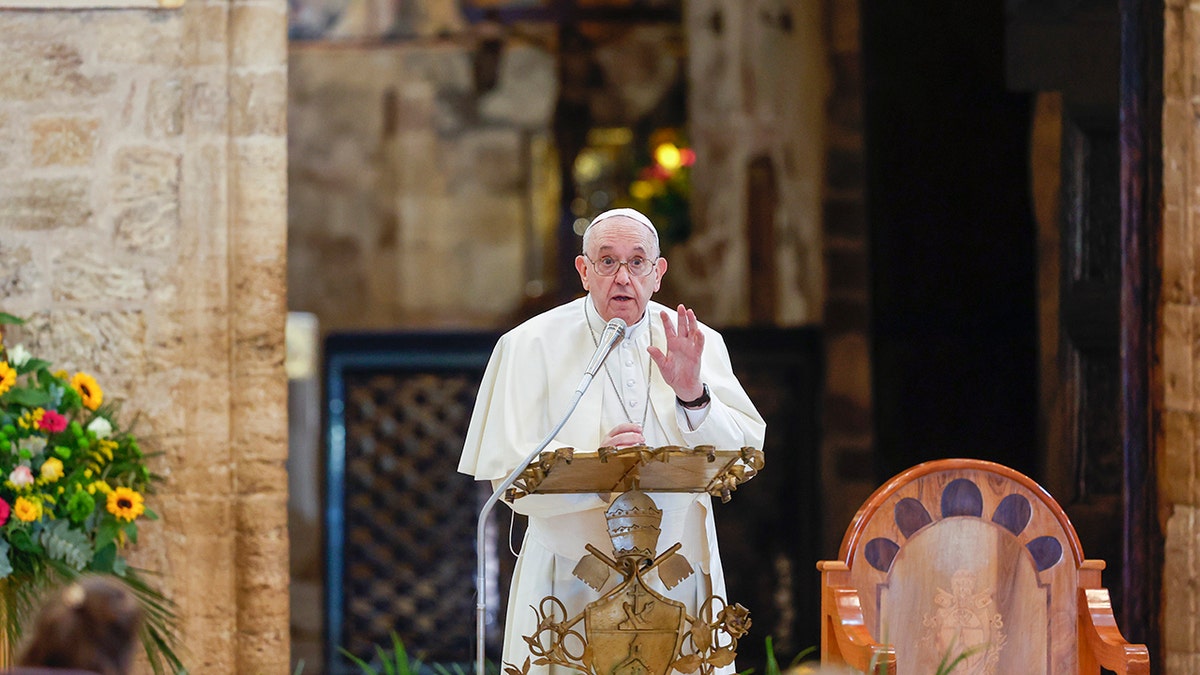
{"points": [[962, 556]]}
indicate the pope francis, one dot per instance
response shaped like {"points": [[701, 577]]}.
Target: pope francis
{"points": [[668, 382]]}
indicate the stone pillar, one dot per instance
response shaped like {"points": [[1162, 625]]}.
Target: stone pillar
{"points": [[745, 110], [142, 228], [1179, 336]]}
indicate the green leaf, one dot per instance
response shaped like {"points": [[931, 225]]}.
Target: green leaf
{"points": [[21, 539], [68, 545], [30, 398], [6, 567], [32, 365], [10, 319], [105, 558], [106, 533], [363, 665]]}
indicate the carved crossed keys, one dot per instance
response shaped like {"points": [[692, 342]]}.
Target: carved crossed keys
{"points": [[633, 629]]}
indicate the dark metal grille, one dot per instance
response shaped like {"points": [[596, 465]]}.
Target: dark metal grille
{"points": [[410, 517], [399, 518]]}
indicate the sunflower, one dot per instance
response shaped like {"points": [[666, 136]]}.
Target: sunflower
{"points": [[8, 376], [126, 504], [85, 385]]}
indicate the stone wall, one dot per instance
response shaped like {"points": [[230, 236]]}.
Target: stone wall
{"points": [[417, 199], [1178, 333], [142, 230], [745, 110], [847, 441]]}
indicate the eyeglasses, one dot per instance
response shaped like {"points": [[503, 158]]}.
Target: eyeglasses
{"points": [[607, 266]]}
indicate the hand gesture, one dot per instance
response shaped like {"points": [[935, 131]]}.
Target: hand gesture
{"points": [[624, 435], [680, 366]]}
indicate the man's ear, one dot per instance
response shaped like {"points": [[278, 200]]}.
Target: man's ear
{"points": [[660, 266], [582, 267]]}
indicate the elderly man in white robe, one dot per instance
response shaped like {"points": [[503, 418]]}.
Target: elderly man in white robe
{"points": [[668, 382]]}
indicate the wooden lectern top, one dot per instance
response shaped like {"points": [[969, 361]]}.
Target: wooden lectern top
{"points": [[670, 468]]}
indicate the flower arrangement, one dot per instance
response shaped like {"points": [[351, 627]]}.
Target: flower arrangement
{"points": [[73, 486], [663, 187]]}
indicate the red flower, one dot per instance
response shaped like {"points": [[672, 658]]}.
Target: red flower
{"points": [[5, 509], [52, 422]]}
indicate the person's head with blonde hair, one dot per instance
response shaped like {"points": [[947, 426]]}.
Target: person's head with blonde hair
{"points": [[91, 624]]}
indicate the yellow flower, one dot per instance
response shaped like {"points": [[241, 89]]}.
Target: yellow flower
{"points": [[8, 376], [85, 385], [27, 510], [52, 470], [31, 419], [100, 486], [126, 504]]}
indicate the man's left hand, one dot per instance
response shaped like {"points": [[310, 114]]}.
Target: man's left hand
{"points": [[680, 366]]}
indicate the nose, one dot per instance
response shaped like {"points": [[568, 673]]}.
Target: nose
{"points": [[623, 269]]}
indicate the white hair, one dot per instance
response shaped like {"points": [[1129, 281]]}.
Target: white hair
{"points": [[632, 214]]}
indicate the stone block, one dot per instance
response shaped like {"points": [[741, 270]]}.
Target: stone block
{"points": [[206, 39], [1180, 570], [85, 275], [146, 196], [258, 35], [1180, 474], [19, 275], [1181, 663], [137, 39], [164, 107], [1175, 57], [491, 157], [48, 70], [258, 103], [849, 370], [445, 67], [527, 90], [98, 342], [45, 204], [259, 196], [264, 651], [208, 517], [846, 271], [1178, 357], [843, 17], [63, 141], [207, 106]]}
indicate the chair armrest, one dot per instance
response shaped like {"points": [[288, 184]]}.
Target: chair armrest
{"points": [[844, 635], [1101, 639]]}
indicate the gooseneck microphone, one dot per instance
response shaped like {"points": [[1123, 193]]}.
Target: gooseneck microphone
{"points": [[613, 332]]}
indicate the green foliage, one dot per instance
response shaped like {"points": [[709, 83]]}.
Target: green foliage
{"points": [[63, 454], [399, 662], [395, 663]]}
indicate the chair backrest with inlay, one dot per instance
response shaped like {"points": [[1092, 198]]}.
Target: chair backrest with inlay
{"points": [[961, 555]]}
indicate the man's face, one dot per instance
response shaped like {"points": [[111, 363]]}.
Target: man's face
{"points": [[621, 295]]}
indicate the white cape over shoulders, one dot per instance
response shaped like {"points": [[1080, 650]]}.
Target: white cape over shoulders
{"points": [[526, 388]]}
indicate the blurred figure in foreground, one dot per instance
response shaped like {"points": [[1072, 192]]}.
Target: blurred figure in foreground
{"points": [[92, 625]]}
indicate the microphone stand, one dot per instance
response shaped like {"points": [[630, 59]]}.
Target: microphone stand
{"points": [[480, 581]]}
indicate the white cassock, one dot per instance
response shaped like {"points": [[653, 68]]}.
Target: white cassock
{"points": [[526, 388]]}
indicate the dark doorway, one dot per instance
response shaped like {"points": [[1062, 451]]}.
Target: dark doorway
{"points": [[954, 343]]}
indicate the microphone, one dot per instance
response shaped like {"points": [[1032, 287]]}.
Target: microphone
{"points": [[613, 332]]}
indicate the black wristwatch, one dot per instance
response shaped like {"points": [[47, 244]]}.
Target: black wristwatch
{"points": [[696, 404]]}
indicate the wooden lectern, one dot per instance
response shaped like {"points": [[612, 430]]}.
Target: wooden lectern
{"points": [[632, 629]]}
